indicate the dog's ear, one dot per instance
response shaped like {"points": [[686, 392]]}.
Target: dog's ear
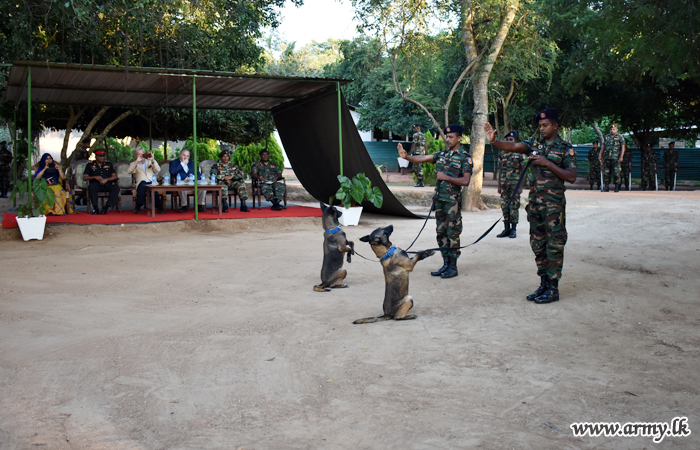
{"points": [[388, 230], [365, 238], [323, 208], [338, 213]]}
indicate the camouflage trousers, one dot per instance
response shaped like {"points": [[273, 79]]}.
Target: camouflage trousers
{"points": [[448, 219], [273, 191], [418, 171], [594, 173], [625, 175], [510, 213], [669, 175], [548, 237], [5, 175], [611, 166], [237, 186], [649, 179]]}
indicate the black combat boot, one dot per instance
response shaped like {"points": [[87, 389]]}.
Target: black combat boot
{"points": [[451, 270], [276, 205], [437, 273], [419, 184], [544, 283], [244, 208], [224, 205], [506, 230], [606, 188], [104, 210], [95, 210], [550, 295], [591, 186], [513, 234], [617, 187]]}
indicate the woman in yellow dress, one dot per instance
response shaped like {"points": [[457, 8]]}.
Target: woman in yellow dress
{"points": [[52, 173]]}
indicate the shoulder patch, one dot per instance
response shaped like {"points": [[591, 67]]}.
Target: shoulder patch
{"points": [[469, 159], [571, 151]]}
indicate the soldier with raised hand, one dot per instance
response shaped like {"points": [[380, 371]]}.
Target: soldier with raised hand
{"points": [[508, 176], [648, 168], [670, 166], [454, 170], [594, 166], [611, 155], [418, 149], [268, 174], [230, 176], [553, 162]]}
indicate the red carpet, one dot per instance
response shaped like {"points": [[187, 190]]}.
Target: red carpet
{"points": [[113, 217]]}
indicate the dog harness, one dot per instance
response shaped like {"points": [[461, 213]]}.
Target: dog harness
{"points": [[388, 254], [333, 231]]}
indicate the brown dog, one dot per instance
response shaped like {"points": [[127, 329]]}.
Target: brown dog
{"points": [[397, 265], [334, 245]]}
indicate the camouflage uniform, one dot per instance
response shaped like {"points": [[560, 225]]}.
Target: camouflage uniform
{"points": [[511, 167], [237, 183], [670, 167], [649, 170], [594, 167], [5, 171], [613, 148], [448, 215], [546, 209], [626, 167], [419, 148], [267, 171]]}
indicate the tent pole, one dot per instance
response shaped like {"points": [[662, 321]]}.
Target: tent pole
{"points": [[150, 133], [29, 136], [194, 139], [340, 128], [14, 151]]}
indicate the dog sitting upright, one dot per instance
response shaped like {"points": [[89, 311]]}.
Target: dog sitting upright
{"points": [[397, 265], [334, 245]]}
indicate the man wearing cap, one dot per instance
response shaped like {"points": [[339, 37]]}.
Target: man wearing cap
{"points": [[143, 170], [102, 178], [5, 169], [508, 176], [594, 166], [611, 155], [185, 168], [454, 170], [670, 166], [553, 162], [230, 176], [418, 148], [83, 151], [268, 175]]}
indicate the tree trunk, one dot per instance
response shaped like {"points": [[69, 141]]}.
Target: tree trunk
{"points": [[72, 120], [601, 138]]}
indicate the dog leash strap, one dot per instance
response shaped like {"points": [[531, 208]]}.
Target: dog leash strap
{"points": [[432, 207]]}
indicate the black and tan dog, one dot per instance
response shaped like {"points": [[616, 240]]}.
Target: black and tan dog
{"points": [[334, 245], [397, 265]]}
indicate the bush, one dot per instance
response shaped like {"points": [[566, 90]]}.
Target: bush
{"points": [[117, 151], [206, 149], [246, 155], [432, 146]]}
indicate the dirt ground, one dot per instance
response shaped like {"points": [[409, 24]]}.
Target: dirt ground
{"points": [[209, 336]]}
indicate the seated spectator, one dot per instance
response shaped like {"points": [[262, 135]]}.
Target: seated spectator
{"points": [[102, 178], [230, 176], [268, 175], [53, 174], [143, 170], [185, 168]]}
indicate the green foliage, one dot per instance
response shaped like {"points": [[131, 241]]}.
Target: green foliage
{"points": [[42, 198], [354, 192], [118, 151], [246, 155], [432, 146], [206, 149]]}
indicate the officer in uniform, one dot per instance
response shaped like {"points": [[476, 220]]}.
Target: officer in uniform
{"points": [[611, 156], [594, 166], [418, 149], [648, 168], [553, 163], [454, 170], [5, 169], [230, 176], [670, 166], [268, 175], [83, 151], [626, 167], [102, 178], [511, 168]]}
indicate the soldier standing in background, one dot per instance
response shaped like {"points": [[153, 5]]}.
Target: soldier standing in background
{"points": [[670, 166], [594, 166], [626, 167], [5, 169], [508, 176], [418, 149], [230, 176], [611, 156], [648, 169]]}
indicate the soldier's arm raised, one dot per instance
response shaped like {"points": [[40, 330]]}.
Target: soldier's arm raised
{"points": [[513, 147], [414, 158]]}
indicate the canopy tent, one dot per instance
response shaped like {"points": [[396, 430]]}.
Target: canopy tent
{"points": [[316, 128]]}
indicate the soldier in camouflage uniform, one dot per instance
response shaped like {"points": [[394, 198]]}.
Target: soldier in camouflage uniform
{"points": [[508, 176], [418, 149], [648, 169], [454, 170], [5, 169], [611, 156], [552, 165], [670, 166], [626, 167], [268, 174], [594, 166], [230, 176]]}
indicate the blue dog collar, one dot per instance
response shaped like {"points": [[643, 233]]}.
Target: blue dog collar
{"points": [[388, 254], [333, 231]]}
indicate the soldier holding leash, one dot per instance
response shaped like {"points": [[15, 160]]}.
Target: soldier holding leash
{"points": [[553, 162]]}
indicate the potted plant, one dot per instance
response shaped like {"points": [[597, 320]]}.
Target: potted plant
{"points": [[31, 217], [352, 193]]}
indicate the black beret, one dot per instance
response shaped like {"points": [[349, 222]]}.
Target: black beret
{"points": [[548, 113], [224, 152], [513, 133], [264, 150], [454, 128]]}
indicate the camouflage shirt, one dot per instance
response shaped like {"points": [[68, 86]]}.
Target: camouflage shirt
{"points": [[455, 164], [266, 170], [511, 165], [613, 146], [649, 161], [671, 160], [546, 187], [420, 143], [221, 170]]}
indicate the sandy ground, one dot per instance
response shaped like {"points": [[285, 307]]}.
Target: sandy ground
{"points": [[209, 336]]}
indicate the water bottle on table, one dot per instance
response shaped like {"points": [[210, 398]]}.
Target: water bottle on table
{"points": [[213, 178], [179, 179]]}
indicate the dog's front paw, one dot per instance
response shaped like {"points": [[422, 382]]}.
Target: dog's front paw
{"points": [[426, 254]]}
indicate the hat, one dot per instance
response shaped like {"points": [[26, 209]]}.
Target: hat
{"points": [[100, 151], [672, 143], [88, 140], [224, 152], [416, 125], [454, 128], [513, 134], [548, 113], [264, 150]]}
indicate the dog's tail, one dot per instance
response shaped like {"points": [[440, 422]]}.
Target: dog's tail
{"points": [[371, 319]]}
